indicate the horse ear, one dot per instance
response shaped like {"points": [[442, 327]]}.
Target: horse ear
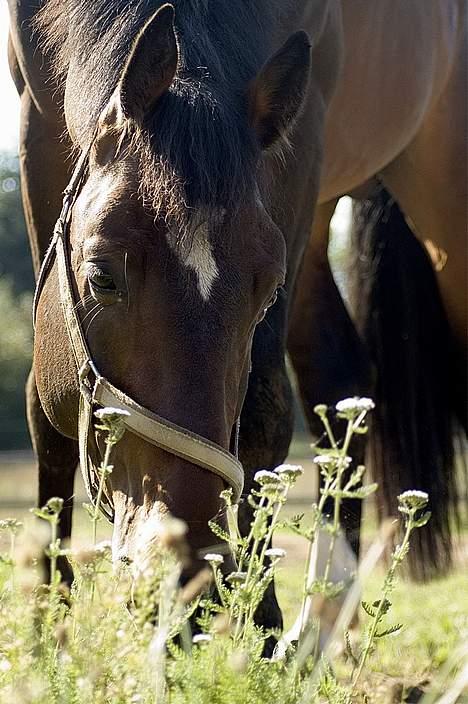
{"points": [[151, 65], [277, 93]]}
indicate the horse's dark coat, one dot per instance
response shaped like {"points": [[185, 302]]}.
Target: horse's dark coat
{"points": [[196, 145], [232, 92]]}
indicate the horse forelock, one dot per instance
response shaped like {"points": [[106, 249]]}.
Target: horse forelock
{"points": [[196, 150]]}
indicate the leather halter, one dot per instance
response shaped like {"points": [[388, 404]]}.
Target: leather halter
{"points": [[97, 390]]}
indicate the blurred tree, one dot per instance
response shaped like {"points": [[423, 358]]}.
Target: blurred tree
{"points": [[16, 285], [15, 362], [15, 259]]}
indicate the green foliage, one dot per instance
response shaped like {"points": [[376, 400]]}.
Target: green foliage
{"points": [[15, 362], [125, 638], [16, 285], [15, 259]]}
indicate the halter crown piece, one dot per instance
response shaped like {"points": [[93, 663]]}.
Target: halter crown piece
{"points": [[95, 390]]}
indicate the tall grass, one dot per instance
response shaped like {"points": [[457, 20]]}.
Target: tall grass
{"points": [[138, 637]]}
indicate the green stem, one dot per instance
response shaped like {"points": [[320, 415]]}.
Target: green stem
{"points": [[267, 540], [385, 592], [274, 519], [260, 508], [53, 555], [217, 580], [259, 519], [318, 516], [250, 535], [329, 431], [102, 482], [12, 558], [249, 574], [336, 516], [338, 498]]}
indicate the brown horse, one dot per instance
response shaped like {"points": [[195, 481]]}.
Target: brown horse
{"points": [[190, 209], [396, 134], [186, 221]]}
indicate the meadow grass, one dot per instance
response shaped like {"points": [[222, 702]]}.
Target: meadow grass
{"points": [[140, 639]]}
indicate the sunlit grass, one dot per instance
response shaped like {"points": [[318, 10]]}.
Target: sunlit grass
{"points": [[114, 641]]}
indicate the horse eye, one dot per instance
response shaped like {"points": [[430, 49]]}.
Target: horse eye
{"points": [[273, 299], [270, 303], [102, 281]]}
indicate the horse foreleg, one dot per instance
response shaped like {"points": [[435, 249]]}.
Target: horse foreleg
{"points": [[57, 458], [43, 176], [266, 429], [327, 354]]}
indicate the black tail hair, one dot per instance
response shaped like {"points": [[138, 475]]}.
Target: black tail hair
{"points": [[399, 312]]}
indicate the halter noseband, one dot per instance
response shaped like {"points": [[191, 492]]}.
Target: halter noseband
{"points": [[97, 390]]}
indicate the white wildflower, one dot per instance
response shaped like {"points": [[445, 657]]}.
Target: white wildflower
{"points": [[202, 638], [5, 664], [289, 471], [325, 460], [354, 406], [275, 553], [413, 499], [236, 577], [266, 477], [11, 524], [112, 423], [321, 410], [214, 558]]}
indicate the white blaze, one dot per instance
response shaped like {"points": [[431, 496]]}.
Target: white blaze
{"points": [[200, 258]]}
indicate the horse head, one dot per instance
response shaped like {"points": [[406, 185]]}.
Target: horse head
{"points": [[172, 269]]}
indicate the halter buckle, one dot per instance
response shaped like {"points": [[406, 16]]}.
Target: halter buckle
{"points": [[86, 386]]}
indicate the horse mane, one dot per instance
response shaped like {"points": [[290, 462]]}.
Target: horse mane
{"points": [[196, 149]]}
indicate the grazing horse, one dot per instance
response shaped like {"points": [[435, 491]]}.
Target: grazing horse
{"points": [[198, 131], [396, 138]]}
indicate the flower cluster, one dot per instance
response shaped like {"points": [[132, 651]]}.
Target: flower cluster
{"points": [[112, 422], [413, 499]]}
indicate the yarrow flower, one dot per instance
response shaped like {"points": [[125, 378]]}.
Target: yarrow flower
{"points": [[202, 638], [110, 414], [413, 499], [11, 524], [112, 422], [289, 471], [214, 558], [5, 664], [265, 477], [325, 460], [236, 577], [321, 410], [354, 406], [55, 504], [275, 552]]}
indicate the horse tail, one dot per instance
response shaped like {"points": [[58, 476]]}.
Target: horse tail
{"points": [[399, 313]]}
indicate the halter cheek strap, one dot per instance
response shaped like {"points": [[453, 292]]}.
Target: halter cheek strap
{"points": [[96, 390]]}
